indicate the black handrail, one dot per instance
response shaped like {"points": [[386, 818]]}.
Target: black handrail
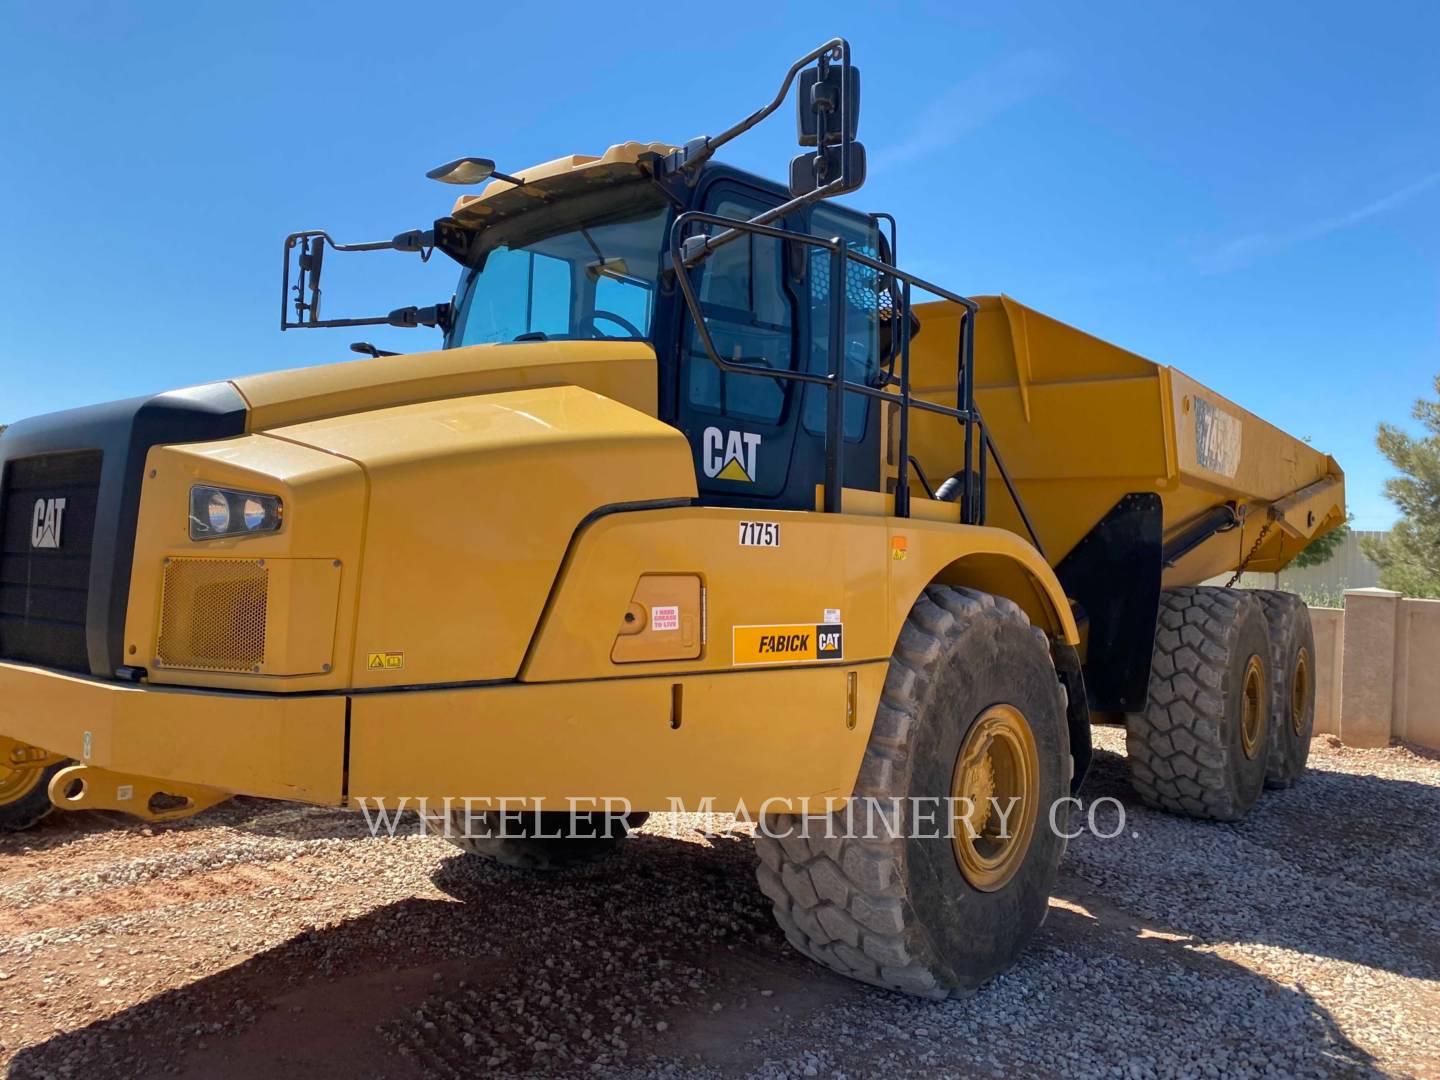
{"points": [[697, 151], [972, 505]]}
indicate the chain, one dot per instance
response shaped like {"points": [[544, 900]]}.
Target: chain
{"points": [[1239, 570]]}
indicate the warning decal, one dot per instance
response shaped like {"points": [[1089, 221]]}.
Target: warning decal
{"points": [[788, 644], [385, 661]]}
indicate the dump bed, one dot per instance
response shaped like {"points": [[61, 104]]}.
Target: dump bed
{"points": [[1081, 424]]}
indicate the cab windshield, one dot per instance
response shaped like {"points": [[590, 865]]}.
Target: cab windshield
{"points": [[582, 268]]}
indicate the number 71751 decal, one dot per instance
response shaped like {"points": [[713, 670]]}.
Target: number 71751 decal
{"points": [[759, 534]]}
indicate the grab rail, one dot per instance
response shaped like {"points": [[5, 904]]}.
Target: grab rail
{"points": [[973, 500]]}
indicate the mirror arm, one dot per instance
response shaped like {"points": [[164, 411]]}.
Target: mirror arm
{"points": [[697, 151], [411, 317], [695, 248]]}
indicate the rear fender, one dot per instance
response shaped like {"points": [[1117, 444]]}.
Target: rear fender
{"points": [[990, 560], [1000, 563]]}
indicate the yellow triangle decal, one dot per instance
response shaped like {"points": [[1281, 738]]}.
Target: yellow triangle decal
{"points": [[733, 471]]}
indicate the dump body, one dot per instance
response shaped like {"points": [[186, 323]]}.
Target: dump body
{"points": [[1080, 424]]}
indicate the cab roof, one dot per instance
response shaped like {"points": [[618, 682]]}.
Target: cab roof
{"points": [[563, 176]]}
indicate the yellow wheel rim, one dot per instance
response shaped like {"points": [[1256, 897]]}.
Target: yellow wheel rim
{"points": [[996, 788], [1253, 708], [21, 768], [1300, 692]]}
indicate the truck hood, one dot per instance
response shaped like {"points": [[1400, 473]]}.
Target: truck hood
{"points": [[621, 370]]}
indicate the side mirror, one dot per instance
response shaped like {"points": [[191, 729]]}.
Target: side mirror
{"points": [[465, 170], [300, 291], [312, 260], [821, 167], [819, 97], [470, 170]]}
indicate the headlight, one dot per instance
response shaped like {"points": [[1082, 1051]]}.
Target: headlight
{"points": [[219, 512]]}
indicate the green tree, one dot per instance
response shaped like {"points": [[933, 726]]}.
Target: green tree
{"points": [[1409, 558], [1322, 549]]}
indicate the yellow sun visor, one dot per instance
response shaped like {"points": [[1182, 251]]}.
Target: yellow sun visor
{"points": [[563, 176]]}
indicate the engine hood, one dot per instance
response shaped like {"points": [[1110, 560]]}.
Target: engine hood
{"points": [[623, 371]]}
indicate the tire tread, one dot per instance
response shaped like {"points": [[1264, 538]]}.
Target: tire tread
{"points": [[1178, 755], [859, 923]]}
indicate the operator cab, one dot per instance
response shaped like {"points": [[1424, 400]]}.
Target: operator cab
{"points": [[594, 266], [779, 323]]}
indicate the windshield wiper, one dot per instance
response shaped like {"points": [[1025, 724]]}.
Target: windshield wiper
{"points": [[533, 335]]}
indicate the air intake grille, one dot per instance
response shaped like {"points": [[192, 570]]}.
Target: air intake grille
{"points": [[47, 529], [212, 615]]}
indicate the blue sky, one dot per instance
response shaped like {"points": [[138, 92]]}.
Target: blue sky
{"points": [[1250, 192]]}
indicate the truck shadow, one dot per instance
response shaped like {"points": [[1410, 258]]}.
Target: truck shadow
{"points": [[60, 829], [666, 954], [1341, 865]]}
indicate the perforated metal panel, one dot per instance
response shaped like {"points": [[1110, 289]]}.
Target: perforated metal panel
{"points": [[213, 614]]}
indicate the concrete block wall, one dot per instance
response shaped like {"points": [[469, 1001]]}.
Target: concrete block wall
{"points": [[1377, 669], [1329, 627]]}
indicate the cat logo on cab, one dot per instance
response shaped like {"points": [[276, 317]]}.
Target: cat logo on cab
{"points": [[729, 455]]}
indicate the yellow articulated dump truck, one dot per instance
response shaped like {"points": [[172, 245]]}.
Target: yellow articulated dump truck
{"points": [[699, 505]]}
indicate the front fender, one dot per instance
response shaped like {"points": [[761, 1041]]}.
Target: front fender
{"points": [[461, 513], [472, 503]]}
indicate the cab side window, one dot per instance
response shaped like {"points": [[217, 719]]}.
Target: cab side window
{"points": [[861, 299], [750, 316]]}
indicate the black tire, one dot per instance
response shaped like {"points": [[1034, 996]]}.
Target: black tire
{"points": [[27, 808], [1292, 669], [529, 841], [1196, 750], [897, 911]]}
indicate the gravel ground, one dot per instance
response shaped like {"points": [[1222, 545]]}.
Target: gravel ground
{"points": [[266, 939]]}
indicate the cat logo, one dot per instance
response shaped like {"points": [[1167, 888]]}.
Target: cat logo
{"points": [[46, 522], [729, 455], [385, 661]]}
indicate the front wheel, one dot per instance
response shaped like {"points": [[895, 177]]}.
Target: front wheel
{"points": [[970, 737], [25, 773]]}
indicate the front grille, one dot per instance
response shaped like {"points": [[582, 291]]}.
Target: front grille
{"points": [[45, 550], [213, 614]]}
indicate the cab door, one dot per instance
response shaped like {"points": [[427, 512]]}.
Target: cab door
{"points": [[741, 428]]}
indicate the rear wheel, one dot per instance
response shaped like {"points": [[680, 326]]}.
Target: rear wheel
{"points": [[941, 868], [538, 841], [1292, 668], [1201, 745], [25, 773]]}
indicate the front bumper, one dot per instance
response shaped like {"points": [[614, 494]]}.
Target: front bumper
{"points": [[749, 736], [277, 747]]}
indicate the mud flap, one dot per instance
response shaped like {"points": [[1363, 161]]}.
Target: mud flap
{"points": [[1113, 574]]}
